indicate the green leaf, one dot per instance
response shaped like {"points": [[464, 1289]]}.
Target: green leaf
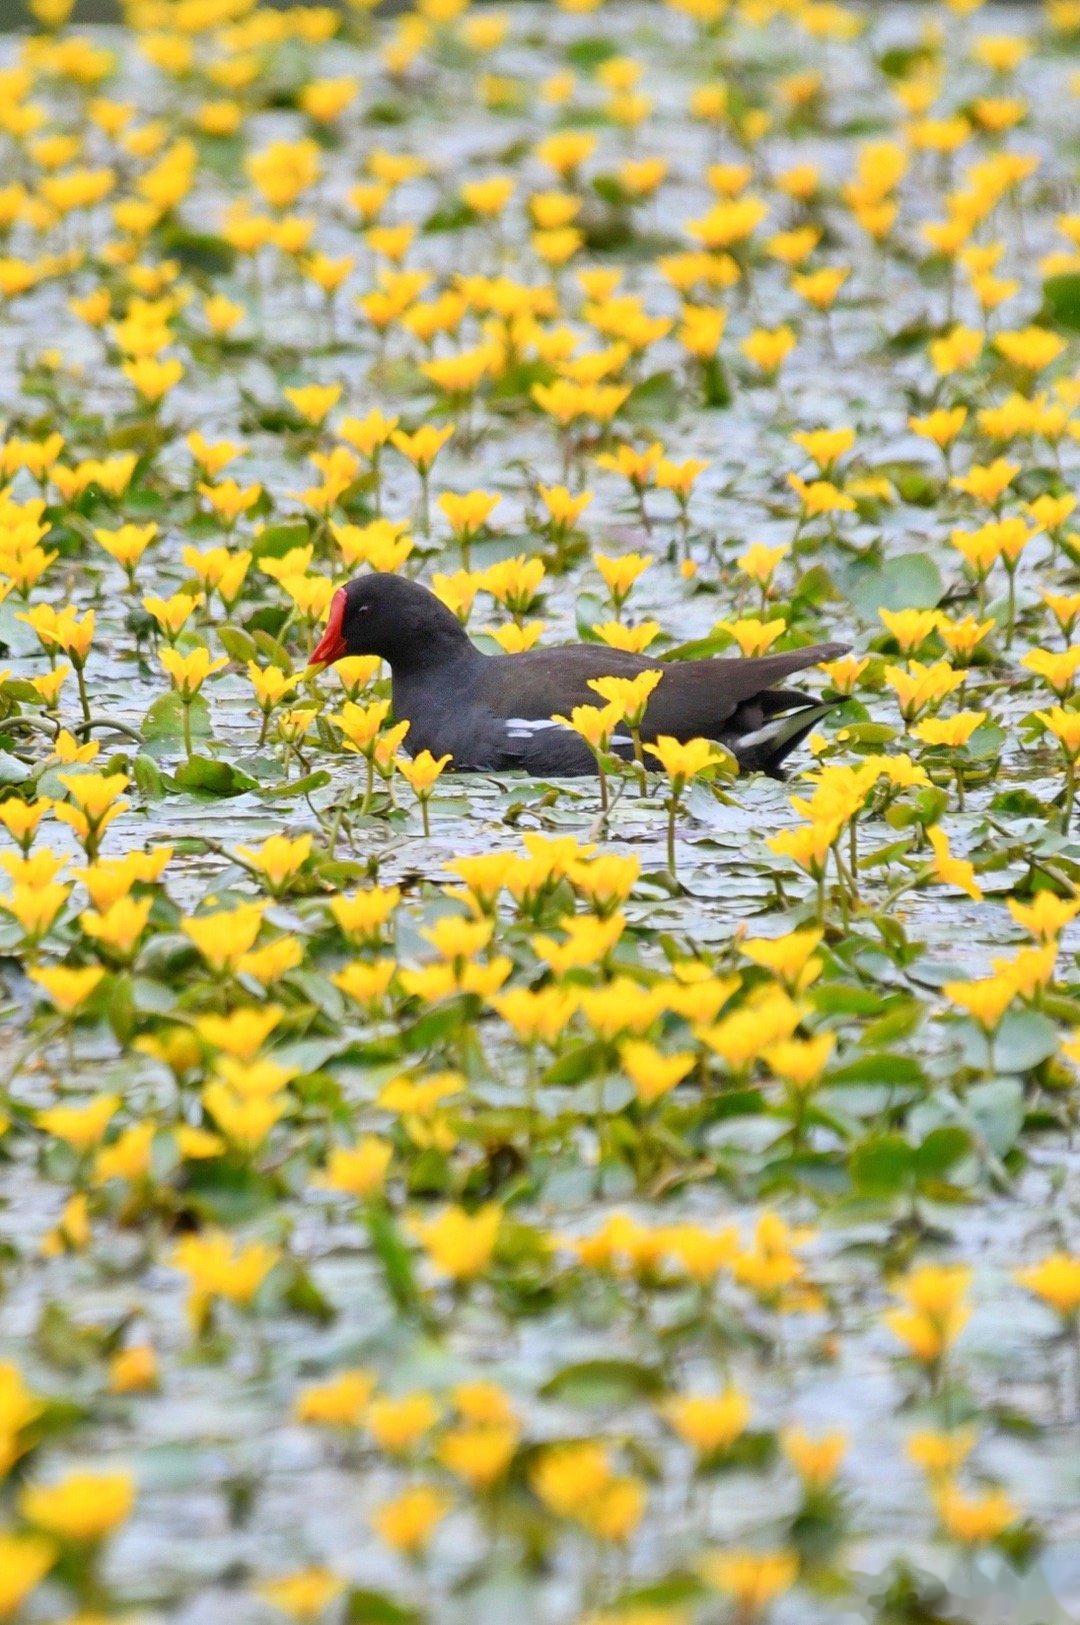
{"points": [[197, 250], [12, 770], [1024, 1040], [908, 581], [202, 775], [588, 53], [238, 644], [882, 1166], [942, 1149], [303, 1297], [294, 787], [365, 1607], [395, 1258], [895, 1071], [453, 216], [1061, 301], [604, 1382], [148, 777], [998, 1109], [277, 540], [165, 719]]}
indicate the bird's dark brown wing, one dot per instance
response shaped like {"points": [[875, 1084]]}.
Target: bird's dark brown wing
{"points": [[550, 682], [721, 698], [695, 697]]}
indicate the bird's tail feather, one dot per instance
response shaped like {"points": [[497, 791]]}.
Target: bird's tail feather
{"points": [[765, 750]]}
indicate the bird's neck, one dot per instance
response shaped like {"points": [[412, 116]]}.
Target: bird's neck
{"points": [[431, 649]]}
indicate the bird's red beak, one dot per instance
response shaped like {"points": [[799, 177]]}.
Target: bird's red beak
{"points": [[331, 646]]}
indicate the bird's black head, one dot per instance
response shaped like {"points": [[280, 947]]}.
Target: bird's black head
{"points": [[388, 615]]}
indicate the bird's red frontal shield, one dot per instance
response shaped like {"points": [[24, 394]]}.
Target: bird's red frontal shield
{"points": [[331, 646]]}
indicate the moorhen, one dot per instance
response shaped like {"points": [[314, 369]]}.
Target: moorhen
{"points": [[496, 711]]}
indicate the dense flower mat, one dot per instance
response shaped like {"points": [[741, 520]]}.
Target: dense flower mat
{"points": [[437, 1198]]}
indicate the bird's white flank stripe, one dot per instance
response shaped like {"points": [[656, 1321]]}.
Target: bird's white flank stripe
{"points": [[525, 727]]}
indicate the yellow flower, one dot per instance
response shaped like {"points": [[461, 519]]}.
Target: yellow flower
{"points": [[314, 402], [1065, 727], [1056, 1281], [479, 1455], [1030, 348], [790, 958], [408, 1522], [815, 1459], [172, 614], [81, 1127], [358, 1170], [808, 846], [1057, 668], [920, 687], [987, 482], [128, 1156], [189, 672], [962, 638], [800, 1061], [127, 545], [752, 1579], [421, 773], [753, 637], [25, 1560], [244, 1031], [67, 987], [954, 731], [942, 426], [594, 723], [1046, 916], [820, 288], [62, 629], [224, 936], [709, 1422], [935, 1312], [460, 1244], [619, 574], [759, 562], [21, 818], [652, 1072], [134, 1370], [278, 860], [229, 500], [821, 496], [939, 1455], [768, 348], [341, 1402], [567, 1477], [369, 434], [217, 1267], [153, 379], [305, 1594], [683, 761], [514, 639], [910, 628], [974, 1520], [82, 1507], [422, 447], [360, 724], [985, 999]]}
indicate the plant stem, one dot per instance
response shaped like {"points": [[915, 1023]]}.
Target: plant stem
{"points": [[1070, 794], [84, 698]]}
